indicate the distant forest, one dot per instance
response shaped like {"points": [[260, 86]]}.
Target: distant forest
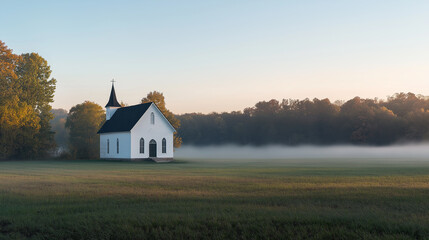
{"points": [[403, 117]]}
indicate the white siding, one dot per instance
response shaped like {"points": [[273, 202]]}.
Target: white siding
{"points": [[144, 129], [124, 145]]}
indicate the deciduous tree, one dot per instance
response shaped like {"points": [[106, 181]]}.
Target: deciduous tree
{"points": [[25, 96], [37, 90], [83, 122]]}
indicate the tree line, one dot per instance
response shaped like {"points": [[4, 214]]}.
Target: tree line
{"points": [[402, 117]]}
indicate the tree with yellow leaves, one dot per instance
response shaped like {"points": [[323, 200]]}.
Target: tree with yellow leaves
{"points": [[26, 91]]}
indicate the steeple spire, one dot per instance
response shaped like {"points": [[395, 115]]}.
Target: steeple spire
{"points": [[112, 100]]}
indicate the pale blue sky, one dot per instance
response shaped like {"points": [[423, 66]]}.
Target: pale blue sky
{"points": [[224, 55]]}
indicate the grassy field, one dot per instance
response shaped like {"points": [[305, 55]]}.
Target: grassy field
{"points": [[217, 199]]}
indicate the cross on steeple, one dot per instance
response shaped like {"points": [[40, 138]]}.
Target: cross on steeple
{"points": [[113, 80], [112, 100]]}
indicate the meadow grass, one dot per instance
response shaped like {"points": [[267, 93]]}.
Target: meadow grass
{"points": [[215, 199]]}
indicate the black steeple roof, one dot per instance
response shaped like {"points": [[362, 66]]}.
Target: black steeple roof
{"points": [[112, 100]]}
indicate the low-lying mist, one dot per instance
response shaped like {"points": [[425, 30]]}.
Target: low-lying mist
{"points": [[409, 151]]}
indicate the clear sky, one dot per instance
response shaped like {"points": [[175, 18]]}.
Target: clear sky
{"points": [[224, 55]]}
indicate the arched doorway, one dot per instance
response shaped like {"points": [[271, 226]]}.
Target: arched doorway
{"points": [[152, 148]]}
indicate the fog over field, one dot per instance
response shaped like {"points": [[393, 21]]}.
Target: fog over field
{"points": [[407, 151]]}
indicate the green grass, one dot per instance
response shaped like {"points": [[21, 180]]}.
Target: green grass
{"points": [[215, 199]]}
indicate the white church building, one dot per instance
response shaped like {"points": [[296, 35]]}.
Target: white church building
{"points": [[135, 132]]}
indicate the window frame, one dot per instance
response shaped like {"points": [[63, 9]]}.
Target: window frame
{"points": [[141, 145], [164, 145], [117, 146], [152, 118]]}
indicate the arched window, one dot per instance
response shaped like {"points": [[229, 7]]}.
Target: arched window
{"points": [[152, 118], [117, 145], [164, 145], [141, 145], [108, 146]]}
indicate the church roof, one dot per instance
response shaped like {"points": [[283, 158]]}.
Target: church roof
{"points": [[124, 118], [112, 100]]}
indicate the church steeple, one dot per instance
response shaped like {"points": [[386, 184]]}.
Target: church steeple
{"points": [[113, 104], [112, 100]]}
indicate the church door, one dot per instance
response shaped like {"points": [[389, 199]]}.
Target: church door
{"points": [[152, 148]]}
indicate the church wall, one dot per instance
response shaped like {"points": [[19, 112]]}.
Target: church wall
{"points": [[124, 145], [144, 129]]}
